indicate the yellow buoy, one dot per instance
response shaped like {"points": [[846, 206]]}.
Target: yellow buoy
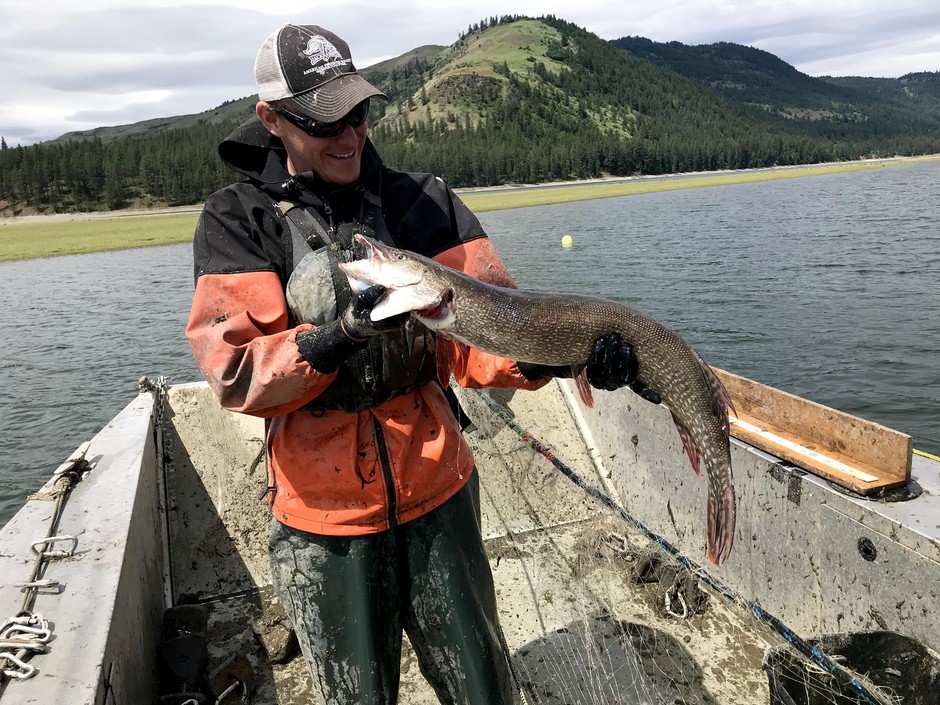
{"points": [[566, 241]]}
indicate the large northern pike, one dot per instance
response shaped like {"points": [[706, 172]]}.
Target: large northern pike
{"points": [[560, 329]]}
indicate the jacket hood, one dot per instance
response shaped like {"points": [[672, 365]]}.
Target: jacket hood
{"points": [[255, 153]]}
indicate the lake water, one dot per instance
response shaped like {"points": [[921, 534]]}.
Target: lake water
{"points": [[827, 287]]}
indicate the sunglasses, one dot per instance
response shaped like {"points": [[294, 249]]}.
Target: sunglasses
{"points": [[328, 130]]}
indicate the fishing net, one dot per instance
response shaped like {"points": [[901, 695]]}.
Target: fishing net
{"points": [[621, 617]]}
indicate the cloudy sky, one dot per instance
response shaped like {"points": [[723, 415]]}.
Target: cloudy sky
{"points": [[67, 65]]}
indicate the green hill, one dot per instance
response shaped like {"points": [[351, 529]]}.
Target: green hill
{"points": [[910, 102], [531, 100]]}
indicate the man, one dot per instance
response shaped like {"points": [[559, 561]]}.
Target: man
{"points": [[375, 500]]}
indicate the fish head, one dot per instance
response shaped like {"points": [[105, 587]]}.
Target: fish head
{"points": [[411, 281]]}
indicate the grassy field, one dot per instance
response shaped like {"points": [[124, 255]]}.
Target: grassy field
{"points": [[69, 235], [54, 236]]}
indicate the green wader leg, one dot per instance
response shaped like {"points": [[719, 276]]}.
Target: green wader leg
{"points": [[350, 597], [340, 594], [451, 617]]}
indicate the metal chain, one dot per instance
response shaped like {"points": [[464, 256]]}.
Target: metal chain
{"points": [[160, 389]]}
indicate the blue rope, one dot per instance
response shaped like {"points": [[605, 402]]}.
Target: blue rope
{"points": [[810, 651]]}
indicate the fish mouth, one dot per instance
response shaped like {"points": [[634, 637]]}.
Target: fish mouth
{"points": [[374, 251], [440, 311], [365, 243], [436, 312]]}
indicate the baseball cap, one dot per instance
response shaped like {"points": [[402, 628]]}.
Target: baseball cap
{"points": [[313, 68]]}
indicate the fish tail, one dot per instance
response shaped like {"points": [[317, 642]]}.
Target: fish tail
{"points": [[721, 519]]}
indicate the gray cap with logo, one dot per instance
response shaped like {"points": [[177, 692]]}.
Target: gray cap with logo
{"points": [[313, 68]]}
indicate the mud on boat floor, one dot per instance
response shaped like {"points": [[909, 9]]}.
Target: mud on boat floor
{"points": [[600, 637]]}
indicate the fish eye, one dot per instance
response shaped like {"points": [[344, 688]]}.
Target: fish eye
{"points": [[401, 257]]}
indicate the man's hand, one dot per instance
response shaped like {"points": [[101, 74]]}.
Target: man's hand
{"points": [[357, 321], [326, 346], [613, 364]]}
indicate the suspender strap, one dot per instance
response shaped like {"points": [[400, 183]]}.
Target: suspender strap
{"points": [[307, 229]]}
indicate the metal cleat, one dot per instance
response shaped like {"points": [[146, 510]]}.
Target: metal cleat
{"points": [[57, 553], [76, 461]]}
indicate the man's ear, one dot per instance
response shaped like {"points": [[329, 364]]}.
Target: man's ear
{"points": [[268, 118]]}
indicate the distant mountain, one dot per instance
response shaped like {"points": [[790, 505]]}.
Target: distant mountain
{"points": [[236, 111], [226, 113], [915, 94], [535, 92], [759, 79], [741, 74], [517, 99], [530, 100]]}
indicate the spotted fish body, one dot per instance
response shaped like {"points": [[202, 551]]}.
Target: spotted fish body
{"points": [[560, 330]]}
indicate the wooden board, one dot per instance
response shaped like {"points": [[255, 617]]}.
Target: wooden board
{"points": [[860, 455]]}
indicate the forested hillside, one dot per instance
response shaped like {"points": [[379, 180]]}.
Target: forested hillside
{"points": [[884, 109], [521, 100], [175, 167]]}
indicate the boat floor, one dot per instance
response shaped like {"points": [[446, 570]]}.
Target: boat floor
{"points": [[578, 628]]}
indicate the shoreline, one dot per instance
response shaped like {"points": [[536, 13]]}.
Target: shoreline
{"points": [[98, 215], [822, 166], [47, 235], [520, 196]]}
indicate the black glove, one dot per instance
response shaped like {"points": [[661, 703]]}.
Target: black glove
{"points": [[328, 345], [611, 365], [357, 320]]}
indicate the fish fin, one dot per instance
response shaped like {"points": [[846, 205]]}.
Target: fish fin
{"points": [[579, 373], [720, 397], [690, 448], [462, 355], [722, 511], [451, 357], [445, 356]]}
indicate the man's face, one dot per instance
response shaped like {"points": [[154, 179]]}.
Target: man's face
{"points": [[336, 160]]}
